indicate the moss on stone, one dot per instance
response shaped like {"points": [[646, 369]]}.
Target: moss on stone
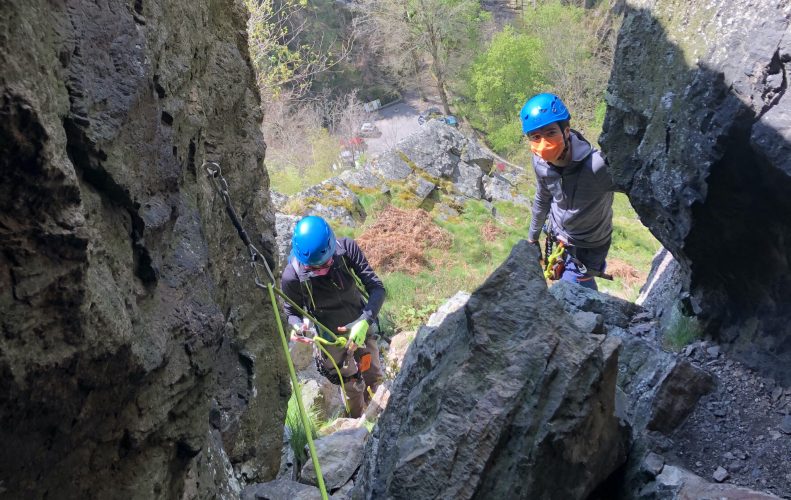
{"points": [[443, 184], [327, 194]]}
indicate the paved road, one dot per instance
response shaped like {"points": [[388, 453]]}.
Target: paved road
{"points": [[395, 122], [399, 121]]}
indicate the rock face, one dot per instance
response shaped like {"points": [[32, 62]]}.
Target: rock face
{"points": [[440, 158], [129, 321], [661, 389], [502, 399], [698, 132]]}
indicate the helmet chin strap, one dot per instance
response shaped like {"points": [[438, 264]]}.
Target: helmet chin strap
{"points": [[566, 147]]}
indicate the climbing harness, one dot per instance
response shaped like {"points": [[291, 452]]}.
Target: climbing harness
{"points": [[221, 187], [555, 260]]}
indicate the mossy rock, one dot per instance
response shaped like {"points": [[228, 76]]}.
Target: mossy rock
{"points": [[332, 199]]}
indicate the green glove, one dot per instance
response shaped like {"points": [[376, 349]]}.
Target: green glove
{"points": [[357, 328]]}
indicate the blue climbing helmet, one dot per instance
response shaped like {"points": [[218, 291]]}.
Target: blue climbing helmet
{"points": [[541, 110], [313, 242]]}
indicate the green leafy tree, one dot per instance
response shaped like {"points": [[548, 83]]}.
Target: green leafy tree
{"points": [[440, 32], [507, 73], [557, 48], [285, 55]]}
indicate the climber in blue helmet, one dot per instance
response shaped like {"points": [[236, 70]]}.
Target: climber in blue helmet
{"points": [[320, 277], [574, 190]]}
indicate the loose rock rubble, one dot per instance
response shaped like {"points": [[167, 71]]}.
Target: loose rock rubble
{"points": [[740, 432]]}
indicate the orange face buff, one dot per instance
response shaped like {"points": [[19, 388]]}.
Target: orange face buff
{"points": [[549, 148]]}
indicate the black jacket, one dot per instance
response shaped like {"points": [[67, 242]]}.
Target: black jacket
{"points": [[334, 299]]}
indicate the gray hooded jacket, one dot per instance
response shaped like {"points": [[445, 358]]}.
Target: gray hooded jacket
{"points": [[577, 197]]}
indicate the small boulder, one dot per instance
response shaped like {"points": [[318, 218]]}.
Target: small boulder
{"points": [[588, 322], [378, 404], [281, 488], [339, 454], [423, 188], [677, 396], [392, 167], [497, 188], [331, 199], [653, 464], [720, 474], [468, 180], [361, 178]]}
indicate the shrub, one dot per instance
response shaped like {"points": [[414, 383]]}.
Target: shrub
{"points": [[681, 331], [297, 436]]}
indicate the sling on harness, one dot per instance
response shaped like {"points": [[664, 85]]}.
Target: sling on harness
{"points": [[221, 187], [556, 260]]}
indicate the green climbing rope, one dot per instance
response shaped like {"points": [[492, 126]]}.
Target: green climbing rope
{"points": [[221, 186], [295, 384]]}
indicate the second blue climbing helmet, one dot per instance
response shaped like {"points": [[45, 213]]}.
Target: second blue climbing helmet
{"points": [[541, 110]]}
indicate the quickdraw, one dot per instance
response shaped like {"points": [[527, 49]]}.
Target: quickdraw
{"points": [[555, 262]]}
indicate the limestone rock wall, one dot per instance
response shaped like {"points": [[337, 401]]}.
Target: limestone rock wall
{"points": [[698, 132], [137, 359], [500, 398]]}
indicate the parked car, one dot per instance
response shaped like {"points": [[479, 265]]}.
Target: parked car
{"points": [[355, 143], [368, 129], [450, 120]]}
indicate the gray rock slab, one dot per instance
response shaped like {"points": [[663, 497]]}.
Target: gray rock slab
{"points": [[485, 395], [281, 489], [340, 454], [361, 178], [497, 188], [468, 180], [391, 166], [673, 139], [614, 311]]}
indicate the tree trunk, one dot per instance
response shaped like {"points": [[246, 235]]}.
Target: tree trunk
{"points": [[442, 94], [439, 76]]}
